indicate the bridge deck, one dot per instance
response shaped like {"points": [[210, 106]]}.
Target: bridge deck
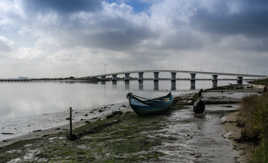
{"points": [[183, 71]]}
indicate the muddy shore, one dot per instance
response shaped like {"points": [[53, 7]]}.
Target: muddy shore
{"points": [[122, 136], [233, 133]]}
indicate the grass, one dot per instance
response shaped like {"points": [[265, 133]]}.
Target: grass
{"points": [[254, 119], [122, 138], [260, 82]]}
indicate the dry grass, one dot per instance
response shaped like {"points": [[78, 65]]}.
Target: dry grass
{"points": [[261, 81], [254, 119]]}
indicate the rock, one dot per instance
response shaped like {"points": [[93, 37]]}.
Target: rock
{"points": [[223, 120], [124, 106], [86, 115], [199, 106]]}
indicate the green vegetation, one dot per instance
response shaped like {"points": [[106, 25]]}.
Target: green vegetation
{"points": [[121, 138], [260, 82], [254, 119]]}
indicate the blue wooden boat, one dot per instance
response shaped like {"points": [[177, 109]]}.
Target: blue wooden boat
{"points": [[144, 106]]}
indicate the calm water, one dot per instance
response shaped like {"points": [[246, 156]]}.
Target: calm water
{"points": [[27, 99]]}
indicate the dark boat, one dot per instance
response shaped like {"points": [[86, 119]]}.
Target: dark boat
{"points": [[144, 106]]}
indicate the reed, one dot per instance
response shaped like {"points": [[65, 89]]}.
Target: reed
{"points": [[254, 118]]}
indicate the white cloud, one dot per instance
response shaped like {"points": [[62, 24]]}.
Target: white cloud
{"points": [[79, 43]]}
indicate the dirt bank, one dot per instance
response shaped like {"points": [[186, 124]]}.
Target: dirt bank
{"points": [[233, 133]]}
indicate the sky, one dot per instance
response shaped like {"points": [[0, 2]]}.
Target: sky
{"points": [[58, 38]]}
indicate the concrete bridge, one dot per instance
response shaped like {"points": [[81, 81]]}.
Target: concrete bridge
{"points": [[192, 76]]}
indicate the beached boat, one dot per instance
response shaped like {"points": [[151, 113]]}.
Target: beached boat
{"points": [[144, 106]]}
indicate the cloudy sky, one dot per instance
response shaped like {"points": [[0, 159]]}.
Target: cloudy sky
{"points": [[40, 38]]}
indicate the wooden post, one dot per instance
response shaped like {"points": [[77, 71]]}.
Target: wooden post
{"points": [[71, 125]]}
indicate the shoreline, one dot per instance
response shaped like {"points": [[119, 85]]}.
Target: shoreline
{"points": [[233, 133], [80, 121], [47, 135]]}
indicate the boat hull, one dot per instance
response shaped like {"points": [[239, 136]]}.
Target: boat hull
{"points": [[151, 107]]}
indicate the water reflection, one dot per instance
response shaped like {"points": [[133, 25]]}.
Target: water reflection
{"points": [[26, 99], [156, 85]]}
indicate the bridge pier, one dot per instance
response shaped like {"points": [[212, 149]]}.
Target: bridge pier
{"points": [[114, 79], [156, 80], [156, 85], [214, 81], [156, 76], [103, 79], [140, 76], [127, 84], [193, 75], [127, 78], [240, 80], [173, 80], [140, 79], [140, 85]]}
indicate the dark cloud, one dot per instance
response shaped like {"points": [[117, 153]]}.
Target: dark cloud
{"points": [[246, 17], [121, 34], [118, 34], [62, 6], [259, 45], [182, 40]]}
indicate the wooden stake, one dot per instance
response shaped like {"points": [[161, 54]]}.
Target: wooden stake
{"points": [[71, 125]]}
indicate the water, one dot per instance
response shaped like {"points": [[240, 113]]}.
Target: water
{"points": [[25, 107], [196, 139], [28, 99]]}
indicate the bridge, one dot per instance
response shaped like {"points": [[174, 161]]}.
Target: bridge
{"points": [[214, 76]]}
